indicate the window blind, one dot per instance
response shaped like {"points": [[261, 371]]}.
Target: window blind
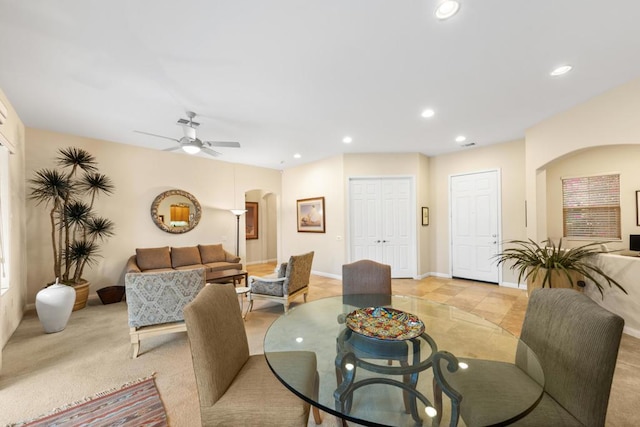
{"points": [[591, 206]]}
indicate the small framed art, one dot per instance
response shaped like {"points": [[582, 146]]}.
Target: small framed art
{"points": [[251, 220], [425, 216], [311, 215]]}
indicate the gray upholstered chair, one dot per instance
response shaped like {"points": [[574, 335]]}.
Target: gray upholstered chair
{"points": [[155, 302], [291, 281], [235, 388], [576, 342]]}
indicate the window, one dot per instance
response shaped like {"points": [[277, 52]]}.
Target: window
{"points": [[591, 206]]}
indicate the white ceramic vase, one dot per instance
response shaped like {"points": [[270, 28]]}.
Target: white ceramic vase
{"points": [[54, 304]]}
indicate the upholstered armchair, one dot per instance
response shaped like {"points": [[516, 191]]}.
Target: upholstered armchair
{"points": [[291, 281], [155, 302], [235, 388]]}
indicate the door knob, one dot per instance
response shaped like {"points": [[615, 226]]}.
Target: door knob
{"points": [[377, 241]]}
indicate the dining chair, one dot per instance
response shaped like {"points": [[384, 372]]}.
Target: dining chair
{"points": [[235, 388], [291, 281], [366, 277], [367, 283], [576, 342]]}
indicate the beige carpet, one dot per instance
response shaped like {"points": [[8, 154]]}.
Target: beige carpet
{"points": [[44, 371]]}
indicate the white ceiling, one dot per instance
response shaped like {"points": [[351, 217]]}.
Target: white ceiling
{"points": [[295, 76]]}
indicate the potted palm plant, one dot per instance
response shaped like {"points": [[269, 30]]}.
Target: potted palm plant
{"points": [[69, 193], [548, 264]]}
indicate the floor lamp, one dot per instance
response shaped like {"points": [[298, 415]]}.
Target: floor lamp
{"points": [[238, 213]]}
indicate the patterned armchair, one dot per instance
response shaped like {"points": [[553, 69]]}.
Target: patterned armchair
{"points": [[291, 280], [155, 302]]}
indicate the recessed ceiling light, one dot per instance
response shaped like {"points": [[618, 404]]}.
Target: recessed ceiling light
{"points": [[563, 69], [428, 113], [347, 140], [461, 138], [297, 156], [447, 8]]}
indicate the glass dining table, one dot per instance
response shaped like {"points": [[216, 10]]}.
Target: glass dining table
{"points": [[381, 357]]}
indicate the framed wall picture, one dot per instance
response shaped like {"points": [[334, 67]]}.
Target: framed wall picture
{"points": [[425, 216], [637, 207], [251, 220], [311, 215]]}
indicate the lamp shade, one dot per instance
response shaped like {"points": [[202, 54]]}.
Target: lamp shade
{"points": [[238, 212]]}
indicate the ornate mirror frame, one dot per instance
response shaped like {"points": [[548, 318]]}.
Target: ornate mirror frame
{"points": [[175, 230]]}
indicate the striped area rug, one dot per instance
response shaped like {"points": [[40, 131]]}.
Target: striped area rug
{"points": [[134, 404]]}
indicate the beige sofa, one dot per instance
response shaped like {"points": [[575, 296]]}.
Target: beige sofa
{"points": [[211, 258]]}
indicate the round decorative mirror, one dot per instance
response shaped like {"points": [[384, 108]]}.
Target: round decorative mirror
{"points": [[176, 211]]}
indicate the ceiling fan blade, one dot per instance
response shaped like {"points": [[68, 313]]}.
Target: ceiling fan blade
{"points": [[211, 152], [172, 148], [229, 144], [158, 136]]}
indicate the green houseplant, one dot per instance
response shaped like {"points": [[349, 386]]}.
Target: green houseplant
{"points": [[69, 193], [548, 264]]}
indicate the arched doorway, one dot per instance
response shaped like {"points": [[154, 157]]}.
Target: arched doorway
{"points": [[261, 242]]}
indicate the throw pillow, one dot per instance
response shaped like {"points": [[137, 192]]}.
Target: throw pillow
{"points": [[153, 258]]}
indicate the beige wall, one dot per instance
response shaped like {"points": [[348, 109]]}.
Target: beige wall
{"points": [[623, 159], [13, 301], [509, 159], [608, 119], [330, 178], [139, 175], [323, 178]]}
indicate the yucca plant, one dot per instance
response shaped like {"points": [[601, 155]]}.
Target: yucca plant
{"points": [[531, 259], [69, 194]]}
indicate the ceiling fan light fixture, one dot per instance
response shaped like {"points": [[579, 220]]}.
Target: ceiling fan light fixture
{"points": [[446, 9], [191, 149], [191, 146]]}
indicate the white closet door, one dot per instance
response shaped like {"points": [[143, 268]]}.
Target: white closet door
{"points": [[381, 223], [365, 220], [474, 226]]}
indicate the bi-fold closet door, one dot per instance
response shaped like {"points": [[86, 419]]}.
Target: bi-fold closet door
{"points": [[382, 222]]}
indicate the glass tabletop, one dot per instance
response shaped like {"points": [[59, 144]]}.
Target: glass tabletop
{"points": [[372, 378]]}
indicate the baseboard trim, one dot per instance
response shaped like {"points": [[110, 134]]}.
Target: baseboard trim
{"points": [[514, 285], [268, 261], [442, 275], [329, 275], [630, 331]]}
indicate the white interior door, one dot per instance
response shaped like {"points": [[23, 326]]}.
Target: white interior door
{"points": [[475, 226], [380, 219]]}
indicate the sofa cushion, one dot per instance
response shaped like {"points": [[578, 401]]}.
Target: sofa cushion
{"points": [[189, 267], [219, 266], [152, 258], [189, 255], [211, 253]]}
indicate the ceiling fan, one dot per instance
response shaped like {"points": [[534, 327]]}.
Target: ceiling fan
{"points": [[190, 143]]}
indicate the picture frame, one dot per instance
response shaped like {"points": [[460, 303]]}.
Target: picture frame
{"points": [[311, 215], [251, 220], [638, 207], [425, 216]]}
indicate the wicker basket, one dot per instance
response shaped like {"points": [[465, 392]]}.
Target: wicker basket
{"points": [[111, 294]]}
